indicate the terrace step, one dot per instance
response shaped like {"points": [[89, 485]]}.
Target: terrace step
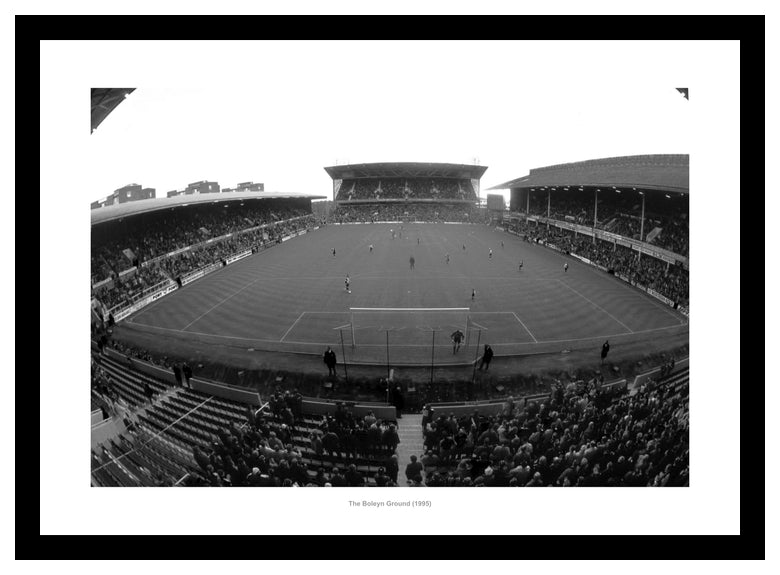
{"points": [[410, 433]]}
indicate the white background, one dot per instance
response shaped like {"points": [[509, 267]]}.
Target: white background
{"points": [[278, 112], [71, 158], [69, 166]]}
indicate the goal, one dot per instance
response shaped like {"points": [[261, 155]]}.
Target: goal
{"points": [[415, 327]]}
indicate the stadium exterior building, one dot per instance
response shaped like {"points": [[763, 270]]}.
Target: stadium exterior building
{"points": [[245, 187], [128, 193], [647, 188], [202, 187]]}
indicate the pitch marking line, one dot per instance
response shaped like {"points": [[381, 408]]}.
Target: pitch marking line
{"points": [[633, 289], [292, 326], [418, 276], [596, 305], [152, 305], [509, 343], [525, 327], [658, 304], [215, 306], [329, 312], [489, 312]]}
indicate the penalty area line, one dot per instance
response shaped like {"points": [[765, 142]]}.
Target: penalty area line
{"points": [[382, 345], [525, 327], [292, 326]]}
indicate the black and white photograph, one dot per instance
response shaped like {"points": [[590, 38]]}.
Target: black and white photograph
{"points": [[384, 265], [224, 352]]}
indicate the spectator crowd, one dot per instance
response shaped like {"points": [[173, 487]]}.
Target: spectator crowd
{"points": [[129, 286], [276, 448], [621, 214], [132, 286], [153, 235], [581, 436], [405, 212], [671, 281], [406, 189]]}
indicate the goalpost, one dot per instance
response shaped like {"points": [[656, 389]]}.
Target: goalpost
{"points": [[410, 325]]}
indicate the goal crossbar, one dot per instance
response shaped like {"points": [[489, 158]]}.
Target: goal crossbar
{"points": [[434, 309]]}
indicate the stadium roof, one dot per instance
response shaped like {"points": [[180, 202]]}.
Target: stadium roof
{"points": [[405, 170], [118, 211], [104, 100], [668, 172]]}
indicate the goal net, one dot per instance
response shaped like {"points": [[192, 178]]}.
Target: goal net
{"points": [[416, 327]]}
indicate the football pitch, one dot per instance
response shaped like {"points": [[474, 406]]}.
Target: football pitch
{"points": [[292, 298]]}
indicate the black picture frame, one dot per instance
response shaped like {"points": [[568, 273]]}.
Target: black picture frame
{"points": [[748, 30]]}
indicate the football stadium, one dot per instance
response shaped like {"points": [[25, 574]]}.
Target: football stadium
{"points": [[412, 331]]}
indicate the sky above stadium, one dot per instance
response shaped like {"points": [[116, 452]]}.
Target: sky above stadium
{"points": [[278, 112]]}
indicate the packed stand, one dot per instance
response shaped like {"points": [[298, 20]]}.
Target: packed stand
{"points": [[125, 290], [406, 188], [466, 190], [620, 214], [153, 235], [269, 450], [215, 253], [394, 189], [671, 281], [102, 390], [404, 212], [580, 436], [138, 353], [625, 225], [673, 236], [358, 189]]}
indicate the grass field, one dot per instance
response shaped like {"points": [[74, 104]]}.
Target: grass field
{"points": [[292, 297]]}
